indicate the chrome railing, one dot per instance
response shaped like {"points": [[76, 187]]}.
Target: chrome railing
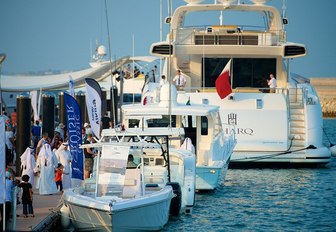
{"points": [[226, 36]]}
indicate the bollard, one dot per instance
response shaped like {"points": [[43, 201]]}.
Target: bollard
{"points": [[114, 105], [80, 97], [48, 114], [23, 128], [104, 103]]}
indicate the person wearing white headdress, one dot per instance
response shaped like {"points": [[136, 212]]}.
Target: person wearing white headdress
{"points": [[64, 157], [46, 163], [28, 164], [187, 145]]}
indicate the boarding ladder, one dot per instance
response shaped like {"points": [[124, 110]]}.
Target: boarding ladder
{"points": [[297, 118]]}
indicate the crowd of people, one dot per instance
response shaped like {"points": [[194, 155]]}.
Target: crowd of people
{"points": [[45, 165]]}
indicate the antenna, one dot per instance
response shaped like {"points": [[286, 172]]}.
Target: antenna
{"points": [[284, 18], [283, 8]]}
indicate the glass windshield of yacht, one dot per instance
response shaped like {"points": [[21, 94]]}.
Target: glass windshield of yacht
{"points": [[244, 20]]}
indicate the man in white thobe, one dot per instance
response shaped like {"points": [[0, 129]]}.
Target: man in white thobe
{"points": [[64, 157], [28, 164], [46, 163]]}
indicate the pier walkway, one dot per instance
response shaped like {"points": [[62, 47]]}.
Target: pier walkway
{"points": [[43, 206]]}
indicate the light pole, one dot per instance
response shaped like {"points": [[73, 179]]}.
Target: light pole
{"points": [[2, 58]]}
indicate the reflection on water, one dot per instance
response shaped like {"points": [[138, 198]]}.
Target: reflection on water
{"points": [[268, 200]]}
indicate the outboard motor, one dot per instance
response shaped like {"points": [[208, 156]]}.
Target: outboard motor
{"points": [[175, 205]]}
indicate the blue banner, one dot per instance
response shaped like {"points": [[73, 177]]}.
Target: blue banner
{"points": [[74, 125]]}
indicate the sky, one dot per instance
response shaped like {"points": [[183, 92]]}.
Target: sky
{"points": [[49, 35]]}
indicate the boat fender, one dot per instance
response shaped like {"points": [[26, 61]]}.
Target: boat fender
{"points": [[175, 205], [333, 150], [65, 217]]}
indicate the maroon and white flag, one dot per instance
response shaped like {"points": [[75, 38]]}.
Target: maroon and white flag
{"points": [[223, 84]]}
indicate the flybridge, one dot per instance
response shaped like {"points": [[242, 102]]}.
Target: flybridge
{"points": [[230, 28]]}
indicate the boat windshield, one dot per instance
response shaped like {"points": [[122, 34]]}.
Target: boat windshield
{"points": [[245, 20]]}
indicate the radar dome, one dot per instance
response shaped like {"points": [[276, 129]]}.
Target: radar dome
{"points": [[191, 2], [101, 50], [227, 2], [259, 2]]}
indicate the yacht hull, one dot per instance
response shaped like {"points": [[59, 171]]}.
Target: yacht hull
{"points": [[149, 213], [208, 177]]}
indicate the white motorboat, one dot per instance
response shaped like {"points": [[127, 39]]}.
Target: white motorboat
{"points": [[282, 125], [123, 198], [202, 127]]}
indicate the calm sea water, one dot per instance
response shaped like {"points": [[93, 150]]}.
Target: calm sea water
{"points": [[268, 200]]}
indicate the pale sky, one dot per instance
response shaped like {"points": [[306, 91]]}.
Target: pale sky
{"points": [[42, 35]]}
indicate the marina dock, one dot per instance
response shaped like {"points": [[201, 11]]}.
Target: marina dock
{"points": [[45, 207]]}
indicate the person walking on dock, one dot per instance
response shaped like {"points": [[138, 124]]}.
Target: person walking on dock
{"points": [[58, 177], [27, 196], [46, 164], [28, 164], [64, 157]]}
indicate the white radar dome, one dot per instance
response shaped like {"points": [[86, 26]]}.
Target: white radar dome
{"points": [[259, 2], [193, 2], [227, 2], [101, 50]]}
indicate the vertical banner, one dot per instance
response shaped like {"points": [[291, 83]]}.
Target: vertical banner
{"points": [[93, 98], [34, 104], [71, 86], [2, 160], [74, 125]]}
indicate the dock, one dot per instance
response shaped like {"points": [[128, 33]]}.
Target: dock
{"points": [[45, 211], [44, 206]]}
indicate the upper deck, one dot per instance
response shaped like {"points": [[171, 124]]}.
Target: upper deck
{"points": [[240, 29]]}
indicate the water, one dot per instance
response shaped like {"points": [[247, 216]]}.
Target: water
{"points": [[268, 200]]}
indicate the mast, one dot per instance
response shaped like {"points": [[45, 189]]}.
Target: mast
{"points": [[111, 66]]}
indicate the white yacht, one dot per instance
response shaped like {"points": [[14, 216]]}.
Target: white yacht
{"points": [[203, 132], [282, 125], [136, 197]]}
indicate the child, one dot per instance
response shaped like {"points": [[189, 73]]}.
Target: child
{"points": [[27, 196], [58, 177]]}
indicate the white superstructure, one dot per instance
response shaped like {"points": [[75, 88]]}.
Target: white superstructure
{"points": [[281, 127], [204, 135]]}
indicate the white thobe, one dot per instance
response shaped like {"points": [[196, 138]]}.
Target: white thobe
{"points": [[28, 164], [46, 164]]}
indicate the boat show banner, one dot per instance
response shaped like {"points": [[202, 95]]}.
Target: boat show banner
{"points": [[93, 98], [74, 125]]}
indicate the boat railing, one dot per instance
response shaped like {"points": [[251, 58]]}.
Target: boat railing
{"points": [[236, 90], [297, 96], [227, 35]]}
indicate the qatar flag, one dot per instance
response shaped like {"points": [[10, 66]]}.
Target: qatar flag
{"points": [[223, 85]]}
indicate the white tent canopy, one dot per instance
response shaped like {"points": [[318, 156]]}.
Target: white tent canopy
{"points": [[20, 83]]}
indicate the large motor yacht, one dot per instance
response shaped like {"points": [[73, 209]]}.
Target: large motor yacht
{"points": [[282, 125]]}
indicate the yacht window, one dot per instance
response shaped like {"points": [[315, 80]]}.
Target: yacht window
{"points": [[162, 122], [133, 123], [247, 72], [252, 21], [204, 125], [128, 98]]}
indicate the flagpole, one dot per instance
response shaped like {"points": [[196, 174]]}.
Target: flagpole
{"points": [[169, 63], [231, 72]]}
